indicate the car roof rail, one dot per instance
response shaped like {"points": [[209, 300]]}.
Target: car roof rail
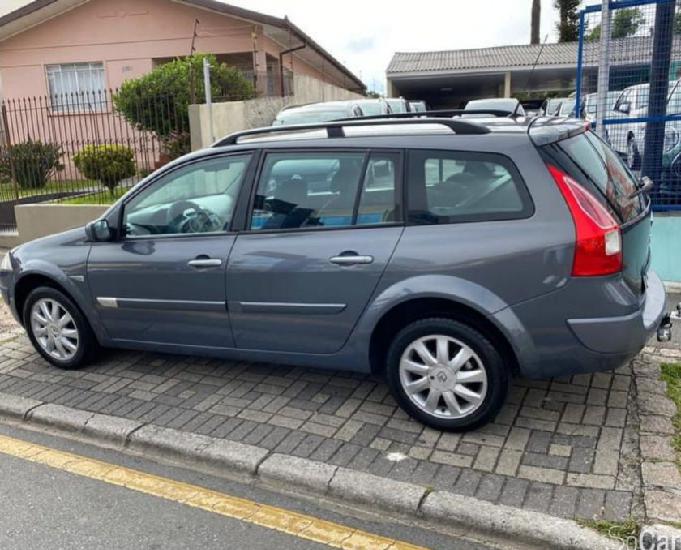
{"points": [[334, 129]]}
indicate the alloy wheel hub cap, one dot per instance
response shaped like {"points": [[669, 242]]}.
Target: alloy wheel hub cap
{"points": [[443, 376], [54, 329]]}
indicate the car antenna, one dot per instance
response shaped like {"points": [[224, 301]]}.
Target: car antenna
{"points": [[536, 61]]}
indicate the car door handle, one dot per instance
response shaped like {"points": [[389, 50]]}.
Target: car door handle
{"points": [[205, 262], [351, 259]]}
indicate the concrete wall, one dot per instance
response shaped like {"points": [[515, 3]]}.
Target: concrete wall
{"points": [[233, 116], [39, 220], [666, 246]]}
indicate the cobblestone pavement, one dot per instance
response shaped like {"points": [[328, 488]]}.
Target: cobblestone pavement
{"points": [[566, 447]]}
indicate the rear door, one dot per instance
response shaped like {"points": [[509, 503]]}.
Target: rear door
{"points": [[590, 161], [322, 228]]}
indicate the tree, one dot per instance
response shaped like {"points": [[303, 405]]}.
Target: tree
{"points": [[568, 24], [159, 101], [626, 22], [535, 22], [108, 164], [677, 23]]}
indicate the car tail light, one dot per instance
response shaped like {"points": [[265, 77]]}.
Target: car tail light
{"points": [[598, 250]]}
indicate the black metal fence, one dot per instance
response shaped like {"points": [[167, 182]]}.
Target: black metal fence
{"points": [[641, 118], [84, 147]]}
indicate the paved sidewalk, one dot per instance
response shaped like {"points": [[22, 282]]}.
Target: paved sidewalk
{"points": [[564, 447]]}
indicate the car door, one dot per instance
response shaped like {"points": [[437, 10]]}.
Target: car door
{"points": [[319, 236], [164, 280]]}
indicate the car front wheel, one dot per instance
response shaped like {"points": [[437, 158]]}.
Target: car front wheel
{"points": [[447, 374], [57, 329]]}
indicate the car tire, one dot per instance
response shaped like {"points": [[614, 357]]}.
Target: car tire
{"points": [[58, 329], [459, 363], [633, 156]]}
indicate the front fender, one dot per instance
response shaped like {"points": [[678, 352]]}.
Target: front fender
{"points": [[74, 282]]}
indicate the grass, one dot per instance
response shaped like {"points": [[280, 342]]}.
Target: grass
{"points": [[100, 197], [8, 191], [671, 374], [618, 530]]}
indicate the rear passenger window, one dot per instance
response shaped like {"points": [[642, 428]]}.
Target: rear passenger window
{"points": [[326, 190], [452, 187]]}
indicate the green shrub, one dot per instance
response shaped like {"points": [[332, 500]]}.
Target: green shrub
{"points": [[159, 101], [108, 164], [32, 163]]}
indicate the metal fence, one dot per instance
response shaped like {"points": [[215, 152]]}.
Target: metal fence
{"points": [[50, 147], [640, 115]]}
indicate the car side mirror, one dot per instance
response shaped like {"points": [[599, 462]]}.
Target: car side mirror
{"points": [[99, 231], [624, 107]]}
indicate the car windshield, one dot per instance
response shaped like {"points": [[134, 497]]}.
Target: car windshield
{"points": [[567, 108], [397, 105], [309, 116], [371, 108]]}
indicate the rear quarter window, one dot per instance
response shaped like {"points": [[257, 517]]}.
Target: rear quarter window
{"points": [[590, 158], [454, 187]]}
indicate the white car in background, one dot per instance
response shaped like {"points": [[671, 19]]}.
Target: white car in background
{"points": [[628, 138], [318, 112]]}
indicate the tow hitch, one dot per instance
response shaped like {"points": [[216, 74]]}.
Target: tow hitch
{"points": [[664, 331]]}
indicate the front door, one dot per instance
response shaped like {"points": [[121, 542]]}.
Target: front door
{"points": [[321, 232], [164, 281]]}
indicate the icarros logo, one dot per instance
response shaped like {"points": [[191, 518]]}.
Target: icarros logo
{"points": [[657, 537]]}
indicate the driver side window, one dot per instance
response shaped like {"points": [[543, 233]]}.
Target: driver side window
{"points": [[198, 198]]}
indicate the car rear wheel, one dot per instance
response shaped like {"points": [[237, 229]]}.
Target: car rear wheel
{"points": [[447, 374], [57, 329]]}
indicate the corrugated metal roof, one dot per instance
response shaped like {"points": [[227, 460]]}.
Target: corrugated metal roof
{"points": [[633, 50]]}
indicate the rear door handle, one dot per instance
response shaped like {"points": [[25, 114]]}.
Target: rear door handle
{"points": [[351, 259], [205, 262]]}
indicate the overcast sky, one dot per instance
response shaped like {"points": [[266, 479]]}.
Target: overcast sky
{"points": [[363, 34]]}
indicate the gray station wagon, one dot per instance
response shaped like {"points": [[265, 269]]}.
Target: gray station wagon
{"points": [[444, 254]]}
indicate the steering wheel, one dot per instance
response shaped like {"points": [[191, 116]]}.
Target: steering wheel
{"points": [[187, 217]]}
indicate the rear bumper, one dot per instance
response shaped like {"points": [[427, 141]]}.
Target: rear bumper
{"points": [[548, 345], [624, 334]]}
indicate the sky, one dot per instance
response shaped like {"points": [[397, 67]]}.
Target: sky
{"points": [[363, 34]]}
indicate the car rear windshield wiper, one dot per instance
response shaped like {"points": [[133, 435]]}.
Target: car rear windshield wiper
{"points": [[646, 187]]}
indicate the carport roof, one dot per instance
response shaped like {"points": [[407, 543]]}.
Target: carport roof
{"points": [[484, 58], [624, 51]]}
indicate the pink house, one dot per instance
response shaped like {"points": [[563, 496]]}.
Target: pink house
{"points": [[53, 47]]}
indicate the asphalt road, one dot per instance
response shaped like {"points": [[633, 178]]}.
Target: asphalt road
{"points": [[46, 507]]}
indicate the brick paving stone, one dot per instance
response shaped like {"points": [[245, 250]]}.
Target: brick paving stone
{"points": [[514, 491], [490, 487], [468, 482], [538, 497], [590, 504], [564, 502]]}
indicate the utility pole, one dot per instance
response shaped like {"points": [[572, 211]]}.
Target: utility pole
{"points": [[209, 97], [659, 88], [603, 70]]}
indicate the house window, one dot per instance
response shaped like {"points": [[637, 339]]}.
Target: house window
{"points": [[77, 87]]}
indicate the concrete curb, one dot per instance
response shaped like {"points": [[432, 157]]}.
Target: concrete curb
{"points": [[218, 455]]}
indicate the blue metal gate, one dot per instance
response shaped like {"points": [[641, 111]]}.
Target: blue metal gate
{"points": [[642, 115]]}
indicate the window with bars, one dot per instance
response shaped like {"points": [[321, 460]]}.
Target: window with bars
{"points": [[77, 87]]}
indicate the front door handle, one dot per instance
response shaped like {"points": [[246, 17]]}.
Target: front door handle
{"points": [[351, 258], [205, 262]]}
